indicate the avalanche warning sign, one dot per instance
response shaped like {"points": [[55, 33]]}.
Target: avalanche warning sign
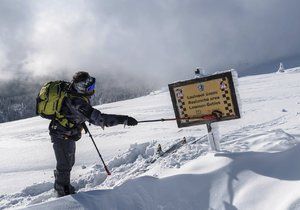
{"points": [[205, 100]]}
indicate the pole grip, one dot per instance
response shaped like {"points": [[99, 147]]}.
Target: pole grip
{"points": [[85, 128]]}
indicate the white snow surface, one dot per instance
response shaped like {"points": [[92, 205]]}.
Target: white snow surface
{"points": [[258, 167]]}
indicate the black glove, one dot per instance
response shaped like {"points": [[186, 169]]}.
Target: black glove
{"points": [[131, 121]]}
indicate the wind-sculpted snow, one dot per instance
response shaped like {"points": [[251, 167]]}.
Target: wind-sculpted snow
{"points": [[266, 171], [136, 162], [256, 169]]}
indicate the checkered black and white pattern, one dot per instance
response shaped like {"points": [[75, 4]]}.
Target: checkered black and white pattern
{"points": [[227, 100], [181, 106]]}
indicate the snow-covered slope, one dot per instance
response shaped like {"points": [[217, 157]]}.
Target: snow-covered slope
{"points": [[257, 169]]}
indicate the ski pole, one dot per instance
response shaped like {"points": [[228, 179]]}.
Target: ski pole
{"points": [[205, 117], [88, 131]]}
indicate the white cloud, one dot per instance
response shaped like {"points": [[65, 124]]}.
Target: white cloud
{"points": [[4, 74], [162, 38]]}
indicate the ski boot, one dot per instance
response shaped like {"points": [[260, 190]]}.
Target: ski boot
{"points": [[63, 190]]}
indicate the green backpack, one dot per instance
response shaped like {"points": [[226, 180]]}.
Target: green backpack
{"points": [[50, 98]]}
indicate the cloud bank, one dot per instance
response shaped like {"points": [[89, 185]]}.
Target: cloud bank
{"points": [[157, 40]]}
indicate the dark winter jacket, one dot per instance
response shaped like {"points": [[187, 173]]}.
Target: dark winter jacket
{"points": [[77, 110]]}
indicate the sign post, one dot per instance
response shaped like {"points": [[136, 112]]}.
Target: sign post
{"points": [[213, 136], [212, 130], [206, 100]]}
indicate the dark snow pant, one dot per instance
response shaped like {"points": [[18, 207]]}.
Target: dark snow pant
{"points": [[65, 158]]}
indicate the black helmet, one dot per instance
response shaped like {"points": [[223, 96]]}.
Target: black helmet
{"points": [[83, 83]]}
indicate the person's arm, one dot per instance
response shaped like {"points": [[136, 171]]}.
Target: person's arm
{"points": [[86, 112], [98, 118]]}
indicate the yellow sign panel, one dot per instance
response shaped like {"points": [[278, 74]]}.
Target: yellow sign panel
{"points": [[204, 100]]}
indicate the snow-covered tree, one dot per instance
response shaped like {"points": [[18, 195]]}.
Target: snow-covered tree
{"points": [[281, 68]]}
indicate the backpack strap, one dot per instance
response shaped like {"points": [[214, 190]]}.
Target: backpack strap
{"points": [[61, 118]]}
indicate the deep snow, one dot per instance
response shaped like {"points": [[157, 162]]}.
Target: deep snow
{"points": [[257, 168]]}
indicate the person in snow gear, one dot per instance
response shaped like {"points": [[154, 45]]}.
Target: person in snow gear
{"points": [[68, 107]]}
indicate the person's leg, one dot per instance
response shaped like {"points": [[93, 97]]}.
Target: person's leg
{"points": [[65, 158]]}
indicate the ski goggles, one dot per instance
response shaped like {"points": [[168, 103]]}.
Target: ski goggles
{"points": [[90, 84], [91, 88]]}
